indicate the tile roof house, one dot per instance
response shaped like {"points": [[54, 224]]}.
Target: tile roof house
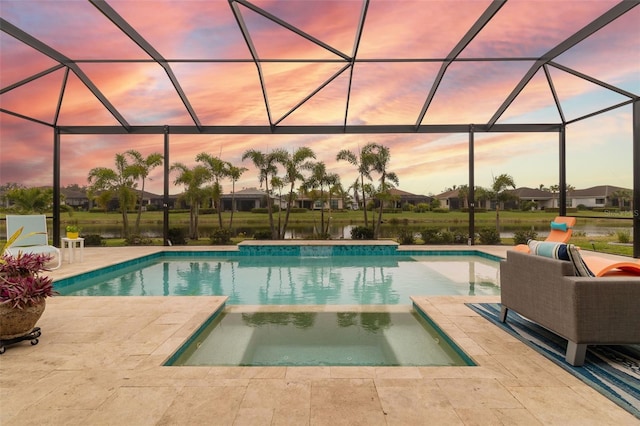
{"points": [[542, 199], [450, 200], [403, 197], [598, 196], [245, 200], [601, 196], [76, 198]]}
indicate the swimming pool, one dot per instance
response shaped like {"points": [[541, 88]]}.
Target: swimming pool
{"points": [[301, 283], [293, 280]]}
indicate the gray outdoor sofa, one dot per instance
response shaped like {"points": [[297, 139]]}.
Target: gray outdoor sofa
{"points": [[583, 310]]}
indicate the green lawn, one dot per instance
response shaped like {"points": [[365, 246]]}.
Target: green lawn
{"points": [[428, 219], [340, 217]]}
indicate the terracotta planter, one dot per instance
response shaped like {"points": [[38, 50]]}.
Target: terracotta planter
{"points": [[18, 322]]}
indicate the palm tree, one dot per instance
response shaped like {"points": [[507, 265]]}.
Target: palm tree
{"points": [[355, 186], [293, 165], [320, 179], [378, 156], [622, 195], [121, 181], [234, 173], [193, 179], [363, 163], [141, 168], [102, 199], [29, 200], [481, 196], [276, 185], [371, 192], [342, 194], [556, 189], [267, 165], [463, 195], [218, 170], [500, 184]]}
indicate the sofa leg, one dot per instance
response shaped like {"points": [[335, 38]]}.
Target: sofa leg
{"points": [[503, 313], [576, 353]]}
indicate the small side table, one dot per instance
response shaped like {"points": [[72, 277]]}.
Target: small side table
{"points": [[70, 245]]}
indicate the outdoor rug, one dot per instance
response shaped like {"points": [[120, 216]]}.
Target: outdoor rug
{"points": [[611, 370]]}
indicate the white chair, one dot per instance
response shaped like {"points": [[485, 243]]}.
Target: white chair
{"points": [[34, 237]]}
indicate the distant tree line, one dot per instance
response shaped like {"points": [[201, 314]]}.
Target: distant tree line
{"points": [[296, 173]]}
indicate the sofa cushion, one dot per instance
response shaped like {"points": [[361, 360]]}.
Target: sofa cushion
{"points": [[548, 249], [561, 251], [581, 268]]}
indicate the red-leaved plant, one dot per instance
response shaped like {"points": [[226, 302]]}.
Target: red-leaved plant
{"points": [[21, 284]]}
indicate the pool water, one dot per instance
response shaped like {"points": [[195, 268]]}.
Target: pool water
{"points": [[319, 339], [295, 280]]}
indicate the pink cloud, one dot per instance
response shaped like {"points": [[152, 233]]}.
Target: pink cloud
{"points": [[530, 29], [416, 29], [229, 93]]}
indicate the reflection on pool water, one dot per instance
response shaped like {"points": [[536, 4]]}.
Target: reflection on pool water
{"points": [[296, 280], [319, 339]]}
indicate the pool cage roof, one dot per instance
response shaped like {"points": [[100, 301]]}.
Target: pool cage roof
{"points": [[307, 67]]}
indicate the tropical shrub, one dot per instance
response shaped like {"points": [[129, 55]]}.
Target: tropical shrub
{"points": [[460, 237], [489, 236], [406, 207], [137, 240], [623, 236], [422, 208], [521, 237], [528, 205], [221, 236], [93, 240], [430, 236], [406, 236], [445, 237], [361, 233], [437, 236], [394, 221], [178, 236], [262, 235]]}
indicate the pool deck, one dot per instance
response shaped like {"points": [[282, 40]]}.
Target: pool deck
{"points": [[99, 362]]}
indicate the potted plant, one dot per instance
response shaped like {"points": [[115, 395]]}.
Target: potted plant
{"points": [[73, 231], [23, 291]]}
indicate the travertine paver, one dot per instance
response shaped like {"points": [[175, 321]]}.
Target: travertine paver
{"points": [[99, 361]]}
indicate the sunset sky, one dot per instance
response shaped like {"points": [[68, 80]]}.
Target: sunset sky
{"points": [[191, 33]]}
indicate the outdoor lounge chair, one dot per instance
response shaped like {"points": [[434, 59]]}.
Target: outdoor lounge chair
{"points": [[34, 237], [561, 230], [601, 266]]}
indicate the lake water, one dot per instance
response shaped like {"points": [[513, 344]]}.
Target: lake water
{"points": [[344, 232]]}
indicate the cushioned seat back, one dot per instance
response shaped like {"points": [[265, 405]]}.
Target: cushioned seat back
{"points": [[561, 229]]}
